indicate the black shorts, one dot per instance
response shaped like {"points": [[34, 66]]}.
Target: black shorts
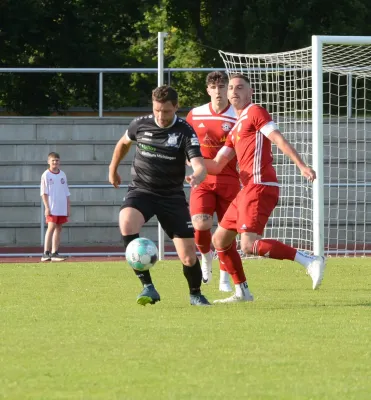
{"points": [[171, 211]]}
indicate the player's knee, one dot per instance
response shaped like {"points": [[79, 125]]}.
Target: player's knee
{"points": [[247, 248], [202, 222], [219, 241], [189, 260]]}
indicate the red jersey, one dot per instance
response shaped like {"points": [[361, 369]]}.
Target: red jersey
{"points": [[212, 130], [249, 140]]}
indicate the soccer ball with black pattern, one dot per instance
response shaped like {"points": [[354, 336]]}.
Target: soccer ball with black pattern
{"points": [[141, 254]]}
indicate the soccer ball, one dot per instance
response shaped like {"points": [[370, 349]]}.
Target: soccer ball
{"points": [[141, 254]]}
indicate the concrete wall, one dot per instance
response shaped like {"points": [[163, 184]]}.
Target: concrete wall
{"points": [[86, 146]]}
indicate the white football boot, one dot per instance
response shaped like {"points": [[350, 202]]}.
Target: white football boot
{"points": [[316, 269], [206, 267], [242, 295]]}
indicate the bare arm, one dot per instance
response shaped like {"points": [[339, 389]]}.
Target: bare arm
{"points": [[199, 171], [121, 149], [279, 140], [224, 155], [68, 206], [45, 198]]}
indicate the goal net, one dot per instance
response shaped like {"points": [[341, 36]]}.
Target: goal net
{"points": [[321, 102]]}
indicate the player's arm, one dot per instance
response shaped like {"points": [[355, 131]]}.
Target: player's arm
{"points": [[222, 158], [279, 140], [68, 206], [121, 149], [44, 195], [199, 171]]}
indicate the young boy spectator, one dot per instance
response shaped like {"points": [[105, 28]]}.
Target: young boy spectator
{"points": [[55, 194]]}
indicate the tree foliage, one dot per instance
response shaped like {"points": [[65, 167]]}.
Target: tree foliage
{"points": [[123, 33]]}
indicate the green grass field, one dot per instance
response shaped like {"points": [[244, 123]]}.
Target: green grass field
{"points": [[74, 331]]}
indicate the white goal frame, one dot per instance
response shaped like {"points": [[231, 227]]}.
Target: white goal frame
{"points": [[317, 129], [328, 70]]}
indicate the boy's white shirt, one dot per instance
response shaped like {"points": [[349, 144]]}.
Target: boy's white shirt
{"points": [[56, 187]]}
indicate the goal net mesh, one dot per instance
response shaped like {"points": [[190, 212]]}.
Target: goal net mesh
{"points": [[282, 83]]}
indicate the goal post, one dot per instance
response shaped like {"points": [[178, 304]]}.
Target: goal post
{"points": [[320, 97]]}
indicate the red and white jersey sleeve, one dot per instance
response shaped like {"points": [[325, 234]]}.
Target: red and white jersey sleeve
{"points": [[249, 137], [56, 187], [212, 130]]}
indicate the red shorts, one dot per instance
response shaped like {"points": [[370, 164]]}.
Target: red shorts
{"points": [[213, 197], [250, 210], [57, 219]]}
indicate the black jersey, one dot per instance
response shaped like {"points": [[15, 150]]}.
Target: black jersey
{"points": [[161, 153]]}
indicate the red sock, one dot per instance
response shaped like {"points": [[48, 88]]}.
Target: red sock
{"points": [[222, 266], [231, 260], [203, 241], [273, 249]]}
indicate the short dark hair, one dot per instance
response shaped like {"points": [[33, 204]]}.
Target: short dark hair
{"points": [[54, 155], [165, 93], [241, 76], [216, 77]]}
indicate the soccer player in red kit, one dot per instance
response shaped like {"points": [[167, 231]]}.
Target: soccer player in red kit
{"points": [[250, 140], [212, 123]]}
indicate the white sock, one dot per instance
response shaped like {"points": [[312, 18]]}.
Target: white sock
{"points": [[207, 256], [303, 258], [224, 276], [242, 289]]}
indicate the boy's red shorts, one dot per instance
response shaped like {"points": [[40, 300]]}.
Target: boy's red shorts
{"points": [[57, 219]]}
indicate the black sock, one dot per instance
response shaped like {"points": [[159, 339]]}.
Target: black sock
{"points": [[144, 276], [194, 276]]}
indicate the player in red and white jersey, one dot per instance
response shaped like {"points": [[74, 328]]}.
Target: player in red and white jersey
{"points": [[213, 122], [250, 140]]}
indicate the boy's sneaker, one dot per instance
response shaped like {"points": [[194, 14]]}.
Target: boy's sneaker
{"points": [[57, 257], [149, 295], [46, 256], [316, 270], [199, 300], [206, 266]]}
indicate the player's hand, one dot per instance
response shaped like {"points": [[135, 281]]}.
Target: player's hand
{"points": [[47, 211], [114, 179], [192, 180], [308, 173]]}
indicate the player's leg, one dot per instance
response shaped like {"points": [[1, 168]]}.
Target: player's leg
{"points": [[48, 239], [258, 204], [135, 211], [225, 244], [226, 193], [55, 256], [175, 219], [202, 207]]}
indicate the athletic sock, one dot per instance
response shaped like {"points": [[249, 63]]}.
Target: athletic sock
{"points": [[203, 241], [144, 276], [224, 276], [194, 277], [273, 249], [242, 289], [231, 260]]}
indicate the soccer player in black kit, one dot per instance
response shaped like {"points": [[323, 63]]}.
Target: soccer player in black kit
{"points": [[164, 143]]}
